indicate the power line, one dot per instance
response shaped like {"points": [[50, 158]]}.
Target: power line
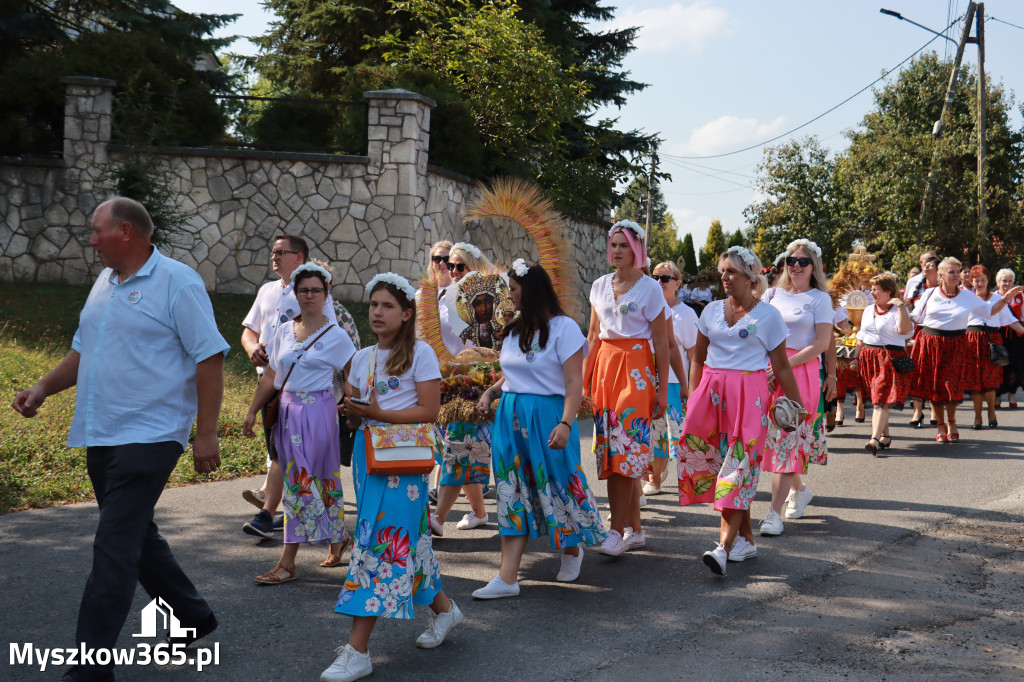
{"points": [[1005, 22], [823, 114], [700, 172]]}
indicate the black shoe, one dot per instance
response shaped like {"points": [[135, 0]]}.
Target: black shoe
{"points": [[208, 625], [916, 423], [859, 420], [884, 442], [262, 525], [279, 523], [992, 423], [977, 426], [934, 422]]}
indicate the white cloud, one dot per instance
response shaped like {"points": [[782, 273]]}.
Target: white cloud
{"points": [[665, 29], [727, 133]]}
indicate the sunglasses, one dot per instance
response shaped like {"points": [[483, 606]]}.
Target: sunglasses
{"points": [[664, 279], [440, 259], [803, 261], [458, 267]]}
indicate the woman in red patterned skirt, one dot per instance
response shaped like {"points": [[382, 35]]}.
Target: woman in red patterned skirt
{"points": [[884, 330], [983, 330], [1013, 373], [940, 350]]}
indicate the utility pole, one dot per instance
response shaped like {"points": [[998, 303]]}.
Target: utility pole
{"points": [[984, 250], [650, 191]]}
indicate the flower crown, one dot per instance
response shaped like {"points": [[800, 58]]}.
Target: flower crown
{"points": [[397, 281], [806, 243], [744, 253], [312, 267], [468, 248], [629, 225], [519, 267]]}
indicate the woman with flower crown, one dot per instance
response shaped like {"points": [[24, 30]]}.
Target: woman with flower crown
{"points": [[801, 296], [542, 489], [720, 450], [627, 313], [393, 565], [302, 358]]}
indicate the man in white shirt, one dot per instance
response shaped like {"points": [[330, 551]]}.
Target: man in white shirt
{"points": [[913, 281]]}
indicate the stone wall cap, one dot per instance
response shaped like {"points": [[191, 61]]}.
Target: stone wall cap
{"points": [[258, 154], [454, 175], [41, 161], [88, 80], [399, 93]]}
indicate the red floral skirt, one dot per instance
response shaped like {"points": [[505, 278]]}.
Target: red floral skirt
{"points": [[847, 381], [885, 384], [941, 370], [982, 374]]}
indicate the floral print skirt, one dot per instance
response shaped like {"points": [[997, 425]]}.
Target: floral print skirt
{"points": [[723, 438], [393, 565], [887, 386], [665, 433], [306, 438], [541, 491], [790, 453], [940, 368], [623, 389], [982, 374], [467, 454]]}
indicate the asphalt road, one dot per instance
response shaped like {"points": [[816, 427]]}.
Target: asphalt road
{"points": [[907, 566]]}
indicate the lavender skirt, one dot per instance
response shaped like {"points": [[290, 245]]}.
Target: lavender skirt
{"points": [[306, 437]]}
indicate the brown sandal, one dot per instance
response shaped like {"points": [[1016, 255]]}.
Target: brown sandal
{"points": [[272, 578], [333, 559]]}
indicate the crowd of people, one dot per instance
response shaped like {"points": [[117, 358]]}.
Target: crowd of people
{"points": [[755, 383]]}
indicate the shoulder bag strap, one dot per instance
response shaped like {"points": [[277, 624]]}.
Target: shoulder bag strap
{"points": [[371, 371], [319, 336]]}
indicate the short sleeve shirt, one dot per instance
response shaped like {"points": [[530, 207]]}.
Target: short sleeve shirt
{"points": [[315, 359], [394, 392], [631, 315], [949, 314], [684, 327], [539, 370], [880, 330], [988, 318], [140, 341], [274, 305], [746, 344], [802, 312]]}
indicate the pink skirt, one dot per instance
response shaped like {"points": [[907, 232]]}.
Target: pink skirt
{"points": [[723, 438], [790, 453]]}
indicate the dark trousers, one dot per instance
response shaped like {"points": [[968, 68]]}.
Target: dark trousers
{"points": [[128, 548]]}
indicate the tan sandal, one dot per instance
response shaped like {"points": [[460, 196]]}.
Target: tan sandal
{"points": [[333, 559], [272, 578]]}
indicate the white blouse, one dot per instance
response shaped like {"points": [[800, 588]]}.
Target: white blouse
{"points": [[746, 344], [990, 319], [684, 327], [539, 371], [801, 313], [394, 392], [631, 315], [315, 359], [938, 312], [880, 330]]}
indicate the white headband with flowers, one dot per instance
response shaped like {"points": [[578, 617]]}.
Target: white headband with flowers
{"points": [[519, 267], [311, 267], [629, 225], [468, 248], [397, 281], [807, 244], [744, 253]]}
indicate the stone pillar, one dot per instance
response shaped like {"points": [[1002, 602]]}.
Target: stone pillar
{"points": [[398, 138], [88, 107]]}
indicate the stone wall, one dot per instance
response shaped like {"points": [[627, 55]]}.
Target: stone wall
{"points": [[363, 214]]}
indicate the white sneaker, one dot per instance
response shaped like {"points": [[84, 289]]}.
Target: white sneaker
{"points": [[771, 524], [254, 497], [643, 501], [498, 588], [715, 559], [742, 549], [651, 489], [470, 521], [439, 626], [570, 569], [788, 504], [349, 665], [436, 527], [634, 540], [798, 506], [613, 544]]}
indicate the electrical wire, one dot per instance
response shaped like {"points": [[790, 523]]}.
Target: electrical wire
{"points": [[1005, 22], [821, 115]]}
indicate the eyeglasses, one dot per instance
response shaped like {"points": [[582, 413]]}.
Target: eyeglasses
{"points": [[277, 253], [459, 267], [802, 260], [664, 279], [440, 259], [309, 291]]}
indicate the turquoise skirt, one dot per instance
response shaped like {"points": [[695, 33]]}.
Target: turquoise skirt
{"points": [[666, 431]]}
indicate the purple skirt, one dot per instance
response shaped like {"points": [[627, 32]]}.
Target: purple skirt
{"points": [[306, 437]]}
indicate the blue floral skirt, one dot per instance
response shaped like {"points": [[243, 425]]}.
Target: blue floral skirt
{"points": [[393, 564], [541, 491], [467, 454], [666, 431]]}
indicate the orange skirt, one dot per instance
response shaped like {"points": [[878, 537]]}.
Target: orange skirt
{"points": [[624, 390]]}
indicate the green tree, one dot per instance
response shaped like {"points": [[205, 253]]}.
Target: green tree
{"points": [[689, 255], [663, 242], [737, 239], [714, 246], [633, 205]]}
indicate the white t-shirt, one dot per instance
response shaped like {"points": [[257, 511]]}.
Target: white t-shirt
{"points": [[912, 285], [987, 318], [746, 344], [840, 315], [394, 392], [539, 371], [938, 312], [704, 295], [801, 313], [275, 305], [631, 315], [880, 330], [450, 336], [315, 370], [684, 327]]}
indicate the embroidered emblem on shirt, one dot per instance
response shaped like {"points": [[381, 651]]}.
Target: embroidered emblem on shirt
{"points": [[744, 333], [393, 382], [531, 356], [134, 297], [319, 345], [632, 306], [382, 387]]}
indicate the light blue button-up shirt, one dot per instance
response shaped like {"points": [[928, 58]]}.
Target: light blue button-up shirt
{"points": [[140, 341]]}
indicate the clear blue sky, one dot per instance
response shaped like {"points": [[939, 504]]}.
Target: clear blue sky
{"points": [[728, 75]]}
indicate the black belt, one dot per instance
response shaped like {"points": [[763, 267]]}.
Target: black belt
{"points": [[886, 347], [981, 328], [948, 333]]}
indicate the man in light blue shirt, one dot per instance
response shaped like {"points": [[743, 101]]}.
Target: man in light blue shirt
{"points": [[146, 358]]}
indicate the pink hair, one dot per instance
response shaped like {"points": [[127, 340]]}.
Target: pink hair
{"points": [[635, 245]]}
